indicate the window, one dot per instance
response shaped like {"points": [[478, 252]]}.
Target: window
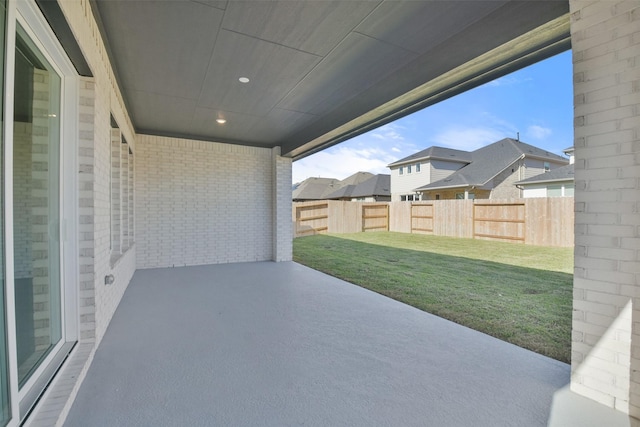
{"points": [[401, 170], [569, 190], [547, 167], [408, 168], [417, 167], [437, 197], [403, 198], [472, 196], [122, 214], [460, 196], [554, 191], [36, 205]]}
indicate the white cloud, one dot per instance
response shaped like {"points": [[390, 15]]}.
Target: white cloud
{"points": [[508, 81], [469, 139], [538, 132], [341, 162], [389, 131], [369, 152]]}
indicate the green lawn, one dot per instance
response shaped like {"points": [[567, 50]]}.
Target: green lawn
{"points": [[521, 294]]}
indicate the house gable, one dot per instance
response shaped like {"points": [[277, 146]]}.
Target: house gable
{"points": [[500, 164], [434, 163]]}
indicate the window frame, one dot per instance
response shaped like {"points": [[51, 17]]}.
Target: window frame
{"points": [[36, 27]]}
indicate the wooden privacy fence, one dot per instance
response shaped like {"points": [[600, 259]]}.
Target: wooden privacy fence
{"points": [[375, 217], [536, 221], [503, 221], [311, 219], [422, 217]]}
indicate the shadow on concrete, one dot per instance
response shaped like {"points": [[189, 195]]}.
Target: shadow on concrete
{"points": [[492, 297]]}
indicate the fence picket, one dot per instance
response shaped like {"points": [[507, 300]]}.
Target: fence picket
{"points": [[537, 221]]}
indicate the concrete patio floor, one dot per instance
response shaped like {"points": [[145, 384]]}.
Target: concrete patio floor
{"points": [[279, 344]]}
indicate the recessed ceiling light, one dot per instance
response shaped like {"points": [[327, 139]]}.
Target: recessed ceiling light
{"points": [[221, 121], [244, 80]]}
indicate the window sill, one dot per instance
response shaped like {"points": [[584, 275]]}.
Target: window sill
{"points": [[117, 256]]}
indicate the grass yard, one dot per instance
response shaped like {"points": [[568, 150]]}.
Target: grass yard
{"points": [[520, 294]]}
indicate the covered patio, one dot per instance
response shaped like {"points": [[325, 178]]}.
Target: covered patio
{"points": [[174, 125], [281, 344]]}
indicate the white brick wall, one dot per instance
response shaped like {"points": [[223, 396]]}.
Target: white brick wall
{"points": [[281, 202], [606, 328], [203, 202]]}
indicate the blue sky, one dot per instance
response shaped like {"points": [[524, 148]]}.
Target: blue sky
{"points": [[536, 101]]}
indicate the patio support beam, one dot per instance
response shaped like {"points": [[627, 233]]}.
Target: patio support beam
{"points": [[606, 333], [281, 199]]}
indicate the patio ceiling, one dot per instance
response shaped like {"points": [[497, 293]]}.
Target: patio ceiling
{"points": [[320, 71]]}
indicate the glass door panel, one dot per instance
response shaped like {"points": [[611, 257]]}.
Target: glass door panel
{"points": [[36, 206]]}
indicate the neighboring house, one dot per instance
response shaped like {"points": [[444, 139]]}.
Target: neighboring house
{"points": [[321, 188], [570, 152], [374, 189], [424, 167], [314, 189], [493, 171], [555, 183]]}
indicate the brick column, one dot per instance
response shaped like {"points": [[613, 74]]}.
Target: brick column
{"points": [[87, 211], [282, 225], [606, 326]]}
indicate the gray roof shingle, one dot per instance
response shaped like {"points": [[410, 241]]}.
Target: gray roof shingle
{"points": [[377, 185], [324, 188], [489, 161], [315, 188], [564, 173], [440, 153]]}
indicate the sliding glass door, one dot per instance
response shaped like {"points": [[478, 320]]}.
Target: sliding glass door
{"points": [[36, 206]]}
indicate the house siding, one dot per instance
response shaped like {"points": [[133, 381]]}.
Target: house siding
{"points": [[407, 182], [451, 194], [441, 169], [540, 190], [430, 171], [531, 191], [535, 167]]}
